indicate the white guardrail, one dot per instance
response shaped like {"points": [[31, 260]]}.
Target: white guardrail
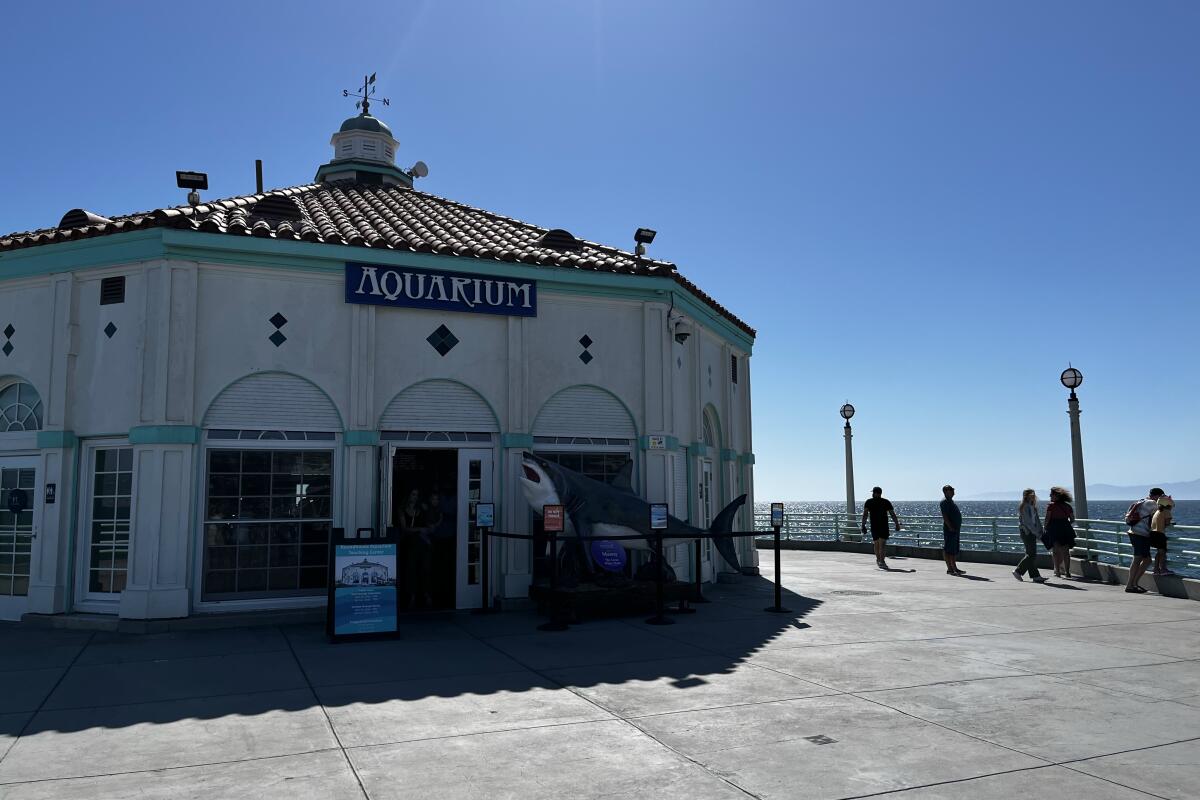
{"points": [[1100, 540]]}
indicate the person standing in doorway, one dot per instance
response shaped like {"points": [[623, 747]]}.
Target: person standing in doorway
{"points": [[1031, 532], [951, 531], [877, 509], [1060, 530], [1138, 518]]}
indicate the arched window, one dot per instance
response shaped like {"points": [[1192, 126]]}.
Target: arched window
{"points": [[20, 408]]}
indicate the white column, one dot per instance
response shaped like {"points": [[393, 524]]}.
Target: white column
{"points": [[849, 474], [1077, 458]]}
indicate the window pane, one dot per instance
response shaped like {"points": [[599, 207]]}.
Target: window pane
{"points": [[263, 489], [224, 460]]}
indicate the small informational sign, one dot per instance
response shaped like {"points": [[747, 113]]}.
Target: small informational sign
{"points": [[656, 443], [609, 556], [18, 500], [485, 515], [776, 515], [552, 519], [658, 516], [51, 493], [364, 589]]}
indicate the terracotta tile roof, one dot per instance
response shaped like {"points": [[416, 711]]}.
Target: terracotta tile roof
{"points": [[377, 216]]}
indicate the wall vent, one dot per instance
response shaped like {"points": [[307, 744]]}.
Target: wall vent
{"points": [[277, 205], [112, 290]]}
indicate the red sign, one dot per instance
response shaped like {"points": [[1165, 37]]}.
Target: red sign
{"points": [[552, 519]]}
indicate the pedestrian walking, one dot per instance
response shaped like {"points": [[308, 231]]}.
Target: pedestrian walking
{"points": [[1138, 518], [951, 531], [1031, 532], [1158, 534], [877, 509], [1060, 530]]}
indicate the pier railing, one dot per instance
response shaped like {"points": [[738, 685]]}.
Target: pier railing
{"points": [[1095, 539]]}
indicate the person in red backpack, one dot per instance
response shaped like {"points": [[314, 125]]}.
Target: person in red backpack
{"points": [[1138, 519]]}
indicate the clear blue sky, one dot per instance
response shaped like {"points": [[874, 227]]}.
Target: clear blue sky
{"points": [[926, 208]]}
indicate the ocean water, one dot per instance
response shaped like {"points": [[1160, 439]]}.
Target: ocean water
{"points": [[1187, 512], [924, 516]]}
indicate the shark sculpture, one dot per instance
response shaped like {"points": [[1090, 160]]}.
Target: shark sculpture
{"points": [[596, 509]]}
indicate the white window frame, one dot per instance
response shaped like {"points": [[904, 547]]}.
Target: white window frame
{"points": [[336, 495]]}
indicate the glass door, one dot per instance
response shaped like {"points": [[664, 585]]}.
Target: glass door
{"points": [[474, 486], [20, 513], [103, 553]]}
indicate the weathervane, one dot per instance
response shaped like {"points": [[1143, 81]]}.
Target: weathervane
{"points": [[365, 94]]}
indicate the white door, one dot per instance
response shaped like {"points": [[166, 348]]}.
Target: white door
{"points": [[20, 489], [706, 514], [474, 486], [104, 538]]}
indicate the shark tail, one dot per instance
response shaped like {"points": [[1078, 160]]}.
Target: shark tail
{"points": [[723, 524]]}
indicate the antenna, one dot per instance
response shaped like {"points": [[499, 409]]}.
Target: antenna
{"points": [[365, 93], [418, 170]]}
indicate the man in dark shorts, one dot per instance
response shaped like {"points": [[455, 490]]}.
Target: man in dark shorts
{"points": [[877, 509], [951, 528]]}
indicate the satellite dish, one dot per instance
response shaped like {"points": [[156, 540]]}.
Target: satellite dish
{"points": [[419, 170]]}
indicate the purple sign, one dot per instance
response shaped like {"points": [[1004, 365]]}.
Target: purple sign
{"points": [[610, 556]]}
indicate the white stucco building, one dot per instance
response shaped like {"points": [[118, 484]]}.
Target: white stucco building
{"points": [[192, 398]]}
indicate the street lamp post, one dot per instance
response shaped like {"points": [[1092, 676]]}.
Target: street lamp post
{"points": [[1073, 379], [847, 411]]}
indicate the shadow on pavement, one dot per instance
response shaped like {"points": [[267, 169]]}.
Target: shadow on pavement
{"points": [[76, 680]]}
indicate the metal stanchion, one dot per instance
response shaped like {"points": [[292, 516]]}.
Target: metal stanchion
{"points": [[555, 623], [778, 607], [699, 595], [659, 618]]}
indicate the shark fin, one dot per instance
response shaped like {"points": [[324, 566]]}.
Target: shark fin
{"points": [[724, 524], [623, 480]]}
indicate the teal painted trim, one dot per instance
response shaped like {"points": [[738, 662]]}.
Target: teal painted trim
{"points": [[469, 387], [513, 441], [53, 439], [124, 248], [351, 164], [746, 458], [336, 410], [164, 434], [101, 251], [728, 455], [276, 254], [360, 438], [697, 449], [693, 497]]}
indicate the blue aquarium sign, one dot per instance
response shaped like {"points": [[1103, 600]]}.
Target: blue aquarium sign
{"points": [[407, 287]]}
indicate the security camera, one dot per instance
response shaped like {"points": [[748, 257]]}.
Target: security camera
{"points": [[683, 329]]}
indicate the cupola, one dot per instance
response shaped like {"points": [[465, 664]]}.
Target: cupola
{"points": [[364, 151]]}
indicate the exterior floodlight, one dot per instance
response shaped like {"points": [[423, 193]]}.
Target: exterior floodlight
{"points": [[644, 236], [191, 180], [1071, 378], [847, 411]]}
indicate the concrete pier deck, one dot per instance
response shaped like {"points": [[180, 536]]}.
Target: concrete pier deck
{"points": [[905, 684]]}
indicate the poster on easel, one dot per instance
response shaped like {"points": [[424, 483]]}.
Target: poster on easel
{"points": [[363, 601]]}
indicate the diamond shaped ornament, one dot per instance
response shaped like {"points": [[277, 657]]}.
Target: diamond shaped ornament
{"points": [[585, 357], [9, 331], [109, 330], [8, 348], [278, 320], [277, 338], [586, 341]]}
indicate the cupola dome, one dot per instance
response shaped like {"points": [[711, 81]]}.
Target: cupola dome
{"points": [[364, 151]]}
